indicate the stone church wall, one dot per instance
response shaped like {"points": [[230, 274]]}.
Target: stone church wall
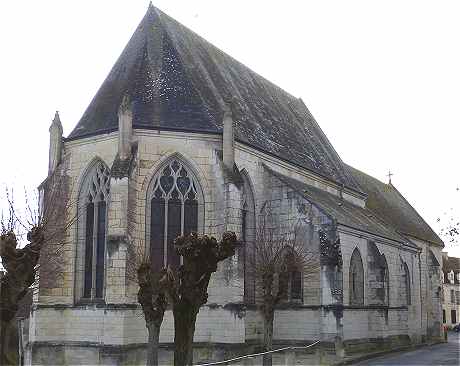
{"points": [[100, 331], [401, 322], [431, 289]]}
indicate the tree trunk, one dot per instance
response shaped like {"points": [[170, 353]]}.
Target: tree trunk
{"points": [[269, 314], [9, 342], [2, 337], [152, 347], [184, 330]]}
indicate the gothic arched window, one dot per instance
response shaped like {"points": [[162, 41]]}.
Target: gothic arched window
{"points": [[378, 276], [356, 280], [291, 279], [173, 209], [386, 281], [248, 237], [92, 218], [406, 283]]}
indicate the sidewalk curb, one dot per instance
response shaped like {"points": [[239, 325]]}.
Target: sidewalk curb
{"points": [[386, 352]]}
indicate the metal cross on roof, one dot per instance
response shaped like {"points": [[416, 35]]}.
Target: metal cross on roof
{"points": [[389, 176]]}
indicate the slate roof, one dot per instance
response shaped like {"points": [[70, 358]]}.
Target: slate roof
{"points": [[451, 264], [178, 81], [344, 212], [386, 202]]}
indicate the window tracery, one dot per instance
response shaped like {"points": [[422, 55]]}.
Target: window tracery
{"points": [[92, 206], [174, 211]]}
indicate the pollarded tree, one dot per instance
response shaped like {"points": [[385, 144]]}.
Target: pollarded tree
{"points": [[152, 298], [185, 289], [188, 287], [20, 275], [278, 263], [45, 227]]}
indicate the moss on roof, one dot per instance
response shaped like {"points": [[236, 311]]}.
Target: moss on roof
{"points": [[178, 81]]}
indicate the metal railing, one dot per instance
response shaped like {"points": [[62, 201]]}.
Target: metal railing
{"points": [[256, 355]]}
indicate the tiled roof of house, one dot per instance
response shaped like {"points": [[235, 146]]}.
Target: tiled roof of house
{"points": [[178, 81], [451, 264]]}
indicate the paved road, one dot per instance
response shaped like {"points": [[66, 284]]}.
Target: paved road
{"points": [[439, 354]]}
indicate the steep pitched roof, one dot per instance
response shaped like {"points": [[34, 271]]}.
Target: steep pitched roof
{"points": [[391, 206], [344, 212], [178, 81]]}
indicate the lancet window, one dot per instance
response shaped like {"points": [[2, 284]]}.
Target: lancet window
{"points": [[291, 280], [406, 283], [92, 206], [356, 280], [378, 276], [248, 237], [174, 200]]}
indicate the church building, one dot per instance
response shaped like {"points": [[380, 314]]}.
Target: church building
{"points": [[181, 137]]}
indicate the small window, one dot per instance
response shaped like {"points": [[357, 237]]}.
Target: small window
{"points": [[453, 316], [248, 235], [296, 286], [452, 296], [406, 283], [291, 280], [356, 281], [443, 316]]}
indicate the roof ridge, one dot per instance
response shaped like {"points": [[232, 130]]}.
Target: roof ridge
{"points": [[419, 216], [373, 217], [161, 13], [384, 186], [194, 78], [366, 174]]}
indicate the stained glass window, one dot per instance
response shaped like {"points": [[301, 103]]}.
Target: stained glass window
{"points": [[173, 212]]}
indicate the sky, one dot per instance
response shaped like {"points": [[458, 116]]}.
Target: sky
{"points": [[382, 78]]}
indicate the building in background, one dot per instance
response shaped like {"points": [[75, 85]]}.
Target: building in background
{"points": [[451, 290], [182, 137]]}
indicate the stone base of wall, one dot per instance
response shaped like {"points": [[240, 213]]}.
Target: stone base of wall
{"points": [[47, 353], [80, 353], [369, 345]]}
